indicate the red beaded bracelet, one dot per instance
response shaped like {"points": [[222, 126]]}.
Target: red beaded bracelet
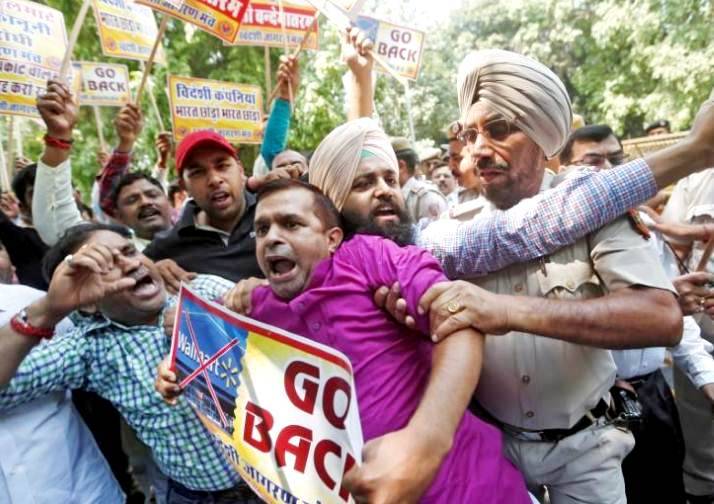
{"points": [[58, 142], [20, 324]]}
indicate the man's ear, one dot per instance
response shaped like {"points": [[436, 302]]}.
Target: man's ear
{"points": [[335, 236]]}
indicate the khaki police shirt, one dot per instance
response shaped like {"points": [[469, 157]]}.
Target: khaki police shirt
{"points": [[423, 200], [533, 382]]}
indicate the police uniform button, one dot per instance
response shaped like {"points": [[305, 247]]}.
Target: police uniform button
{"points": [[530, 414], [518, 287], [526, 379], [570, 284]]}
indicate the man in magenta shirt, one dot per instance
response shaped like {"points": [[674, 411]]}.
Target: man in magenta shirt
{"points": [[411, 393]]}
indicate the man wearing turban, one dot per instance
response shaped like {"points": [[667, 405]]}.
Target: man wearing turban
{"points": [[508, 98]]}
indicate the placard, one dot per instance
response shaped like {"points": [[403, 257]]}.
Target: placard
{"points": [[401, 47], [127, 30], [104, 84], [283, 407], [33, 43], [233, 110], [262, 25], [220, 18]]}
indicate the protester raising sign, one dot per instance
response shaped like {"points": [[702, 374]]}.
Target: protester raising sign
{"points": [[233, 110], [104, 84], [126, 30], [401, 47], [221, 19], [34, 42], [262, 25], [283, 407]]}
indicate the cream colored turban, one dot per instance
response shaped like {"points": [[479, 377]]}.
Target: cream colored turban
{"points": [[334, 164], [522, 90]]}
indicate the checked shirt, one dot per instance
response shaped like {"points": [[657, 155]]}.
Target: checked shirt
{"points": [[119, 363]]}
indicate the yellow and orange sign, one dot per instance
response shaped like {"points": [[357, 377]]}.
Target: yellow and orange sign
{"points": [[233, 110], [34, 41], [127, 30], [219, 18], [263, 25]]}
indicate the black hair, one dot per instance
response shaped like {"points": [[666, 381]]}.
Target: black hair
{"points": [[129, 179], [324, 207], [661, 123], [410, 157], [592, 133], [22, 180], [72, 240]]}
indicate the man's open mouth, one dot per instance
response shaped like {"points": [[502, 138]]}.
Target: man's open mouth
{"points": [[280, 268], [145, 286]]}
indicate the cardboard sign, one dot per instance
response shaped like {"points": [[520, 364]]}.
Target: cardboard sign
{"points": [[399, 46], [283, 407], [127, 30], [33, 41], [262, 25], [220, 18], [233, 110], [104, 84]]}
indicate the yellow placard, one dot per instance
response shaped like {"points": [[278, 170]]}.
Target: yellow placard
{"points": [[283, 407], [104, 84], [401, 47], [262, 25], [233, 110], [127, 30], [221, 19], [33, 41]]}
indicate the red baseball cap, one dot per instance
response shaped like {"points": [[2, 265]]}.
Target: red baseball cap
{"points": [[203, 138]]}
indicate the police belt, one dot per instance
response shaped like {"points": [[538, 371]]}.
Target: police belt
{"points": [[602, 409]]}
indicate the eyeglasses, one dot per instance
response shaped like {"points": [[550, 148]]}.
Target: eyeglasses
{"points": [[496, 130], [599, 159]]}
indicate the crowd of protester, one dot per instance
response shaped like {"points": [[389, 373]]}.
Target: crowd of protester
{"points": [[522, 326]]}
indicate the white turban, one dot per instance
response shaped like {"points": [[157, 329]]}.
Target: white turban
{"points": [[521, 89], [334, 164]]}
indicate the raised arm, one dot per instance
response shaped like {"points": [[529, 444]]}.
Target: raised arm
{"points": [[276, 130], [128, 123], [356, 54], [54, 209]]}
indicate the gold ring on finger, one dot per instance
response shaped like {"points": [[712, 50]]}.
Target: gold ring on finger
{"points": [[454, 307]]}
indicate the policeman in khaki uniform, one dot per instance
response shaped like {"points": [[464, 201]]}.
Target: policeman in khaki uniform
{"points": [[422, 199], [547, 370], [550, 397]]}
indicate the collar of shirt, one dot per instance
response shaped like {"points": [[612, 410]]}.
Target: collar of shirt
{"points": [[189, 222]]}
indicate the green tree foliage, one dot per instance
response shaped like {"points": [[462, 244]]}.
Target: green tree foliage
{"points": [[625, 62]]}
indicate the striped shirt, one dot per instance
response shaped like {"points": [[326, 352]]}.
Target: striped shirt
{"points": [[540, 225]]}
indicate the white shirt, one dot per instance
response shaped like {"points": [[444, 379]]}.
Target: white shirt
{"points": [[692, 355], [47, 453]]}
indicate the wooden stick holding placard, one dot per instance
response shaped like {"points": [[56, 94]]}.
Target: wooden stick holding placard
{"points": [[78, 22], [408, 99], [154, 105], [297, 52], [286, 50], [268, 77], [100, 129], [18, 138], [4, 177], [150, 61], [10, 141]]}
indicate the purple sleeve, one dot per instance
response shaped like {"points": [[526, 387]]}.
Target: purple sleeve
{"points": [[384, 262], [539, 225]]}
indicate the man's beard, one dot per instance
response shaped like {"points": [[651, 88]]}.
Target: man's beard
{"points": [[402, 232]]}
